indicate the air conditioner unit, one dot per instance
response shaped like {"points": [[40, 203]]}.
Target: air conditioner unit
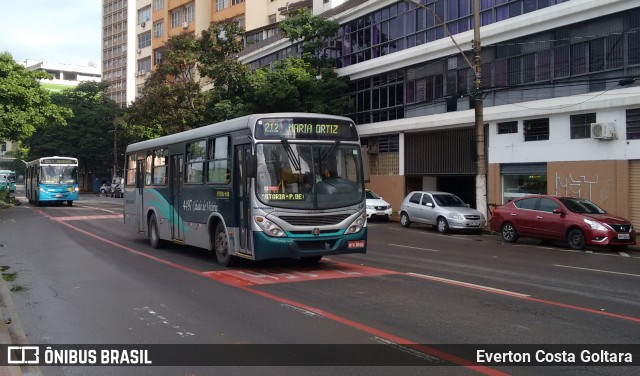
{"points": [[185, 25], [143, 24], [603, 131], [141, 73], [139, 50]]}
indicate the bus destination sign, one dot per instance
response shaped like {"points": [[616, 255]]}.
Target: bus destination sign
{"points": [[306, 128], [56, 161]]}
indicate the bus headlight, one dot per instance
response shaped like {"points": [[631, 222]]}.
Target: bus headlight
{"points": [[269, 227], [42, 189], [357, 225]]}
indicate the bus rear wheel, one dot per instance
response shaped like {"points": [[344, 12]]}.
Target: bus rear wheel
{"points": [[221, 247], [154, 235]]}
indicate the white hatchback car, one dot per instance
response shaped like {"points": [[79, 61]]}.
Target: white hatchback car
{"points": [[377, 207], [445, 211]]}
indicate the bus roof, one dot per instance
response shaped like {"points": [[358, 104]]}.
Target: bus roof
{"points": [[222, 128]]}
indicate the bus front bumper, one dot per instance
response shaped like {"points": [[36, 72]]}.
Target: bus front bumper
{"points": [[266, 247]]}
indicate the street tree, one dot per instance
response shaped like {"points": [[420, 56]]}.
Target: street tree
{"points": [[24, 105], [88, 134], [172, 100]]}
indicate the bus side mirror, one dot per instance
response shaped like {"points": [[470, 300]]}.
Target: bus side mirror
{"points": [[251, 165]]}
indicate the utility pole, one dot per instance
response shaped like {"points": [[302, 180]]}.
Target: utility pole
{"points": [[115, 152], [476, 67], [481, 167]]}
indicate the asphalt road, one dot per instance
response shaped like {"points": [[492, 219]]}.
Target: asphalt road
{"points": [[81, 277]]}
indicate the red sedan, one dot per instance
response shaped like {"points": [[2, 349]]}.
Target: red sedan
{"points": [[577, 221]]}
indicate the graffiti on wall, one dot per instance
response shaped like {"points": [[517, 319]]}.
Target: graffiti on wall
{"points": [[584, 186]]}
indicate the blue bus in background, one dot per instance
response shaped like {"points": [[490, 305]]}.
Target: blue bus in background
{"points": [[8, 179], [52, 180]]}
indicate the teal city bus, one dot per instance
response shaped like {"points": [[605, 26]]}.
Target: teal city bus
{"points": [[8, 180], [52, 180], [263, 186]]}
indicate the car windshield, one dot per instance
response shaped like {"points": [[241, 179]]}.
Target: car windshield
{"points": [[372, 196], [581, 206], [448, 200], [309, 176]]}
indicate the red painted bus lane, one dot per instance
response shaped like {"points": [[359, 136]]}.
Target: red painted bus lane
{"points": [[328, 269]]}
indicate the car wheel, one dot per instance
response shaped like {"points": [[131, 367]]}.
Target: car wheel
{"points": [[509, 233], [221, 247], [154, 235], [576, 239], [404, 220], [442, 225]]}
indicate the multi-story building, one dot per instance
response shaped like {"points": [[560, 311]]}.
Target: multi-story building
{"points": [[115, 54], [135, 32], [561, 107]]}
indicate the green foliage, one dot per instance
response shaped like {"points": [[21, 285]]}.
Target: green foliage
{"points": [[24, 105], [312, 31], [87, 136], [172, 100]]}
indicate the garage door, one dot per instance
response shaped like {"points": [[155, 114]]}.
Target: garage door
{"points": [[634, 193]]}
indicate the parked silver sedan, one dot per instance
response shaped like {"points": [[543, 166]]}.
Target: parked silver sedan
{"points": [[445, 211]]}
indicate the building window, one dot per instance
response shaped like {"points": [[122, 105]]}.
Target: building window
{"points": [[272, 19], [158, 56], [188, 12], [176, 18], [388, 144], [536, 129], [519, 180], [144, 15], [508, 127], [239, 21], [236, 2], [158, 29], [581, 125], [144, 40], [144, 65], [158, 4], [633, 124], [221, 4]]}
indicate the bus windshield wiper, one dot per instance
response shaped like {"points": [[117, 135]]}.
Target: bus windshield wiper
{"points": [[329, 152], [293, 158]]}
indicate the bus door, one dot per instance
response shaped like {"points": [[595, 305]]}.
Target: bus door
{"points": [[243, 194], [176, 173], [140, 168]]}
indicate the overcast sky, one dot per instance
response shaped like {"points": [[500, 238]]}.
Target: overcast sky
{"points": [[54, 31]]}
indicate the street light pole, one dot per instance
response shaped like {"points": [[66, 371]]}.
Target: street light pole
{"points": [[476, 66]]}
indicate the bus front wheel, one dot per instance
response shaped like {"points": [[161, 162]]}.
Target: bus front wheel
{"points": [[69, 202], [221, 247]]}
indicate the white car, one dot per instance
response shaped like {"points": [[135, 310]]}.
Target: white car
{"points": [[377, 207]]}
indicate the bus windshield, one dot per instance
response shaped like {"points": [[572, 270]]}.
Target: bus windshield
{"points": [[58, 174], [309, 176]]}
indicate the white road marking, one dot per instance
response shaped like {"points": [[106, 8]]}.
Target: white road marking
{"points": [[469, 285], [406, 246], [596, 270]]}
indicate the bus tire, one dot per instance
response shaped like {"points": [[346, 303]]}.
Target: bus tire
{"points": [[69, 202], [154, 234], [221, 247]]}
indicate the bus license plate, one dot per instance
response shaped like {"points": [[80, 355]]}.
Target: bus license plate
{"points": [[58, 195], [355, 244], [624, 236]]}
